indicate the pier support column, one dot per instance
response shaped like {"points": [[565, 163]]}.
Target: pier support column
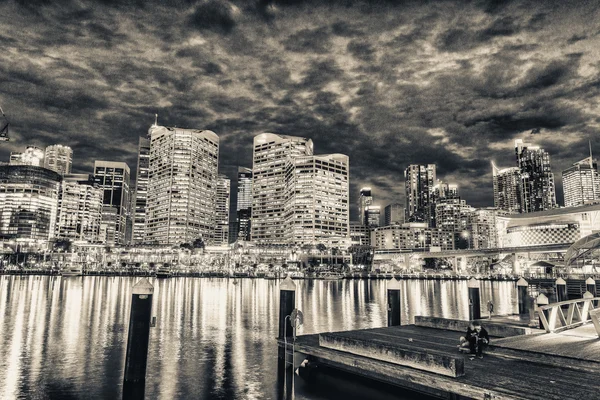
{"points": [[523, 296], [394, 303], [136, 358], [542, 300], [455, 266], [561, 289], [474, 299], [285, 359], [590, 286]]}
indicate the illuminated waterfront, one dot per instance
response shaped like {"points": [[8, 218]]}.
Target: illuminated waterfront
{"points": [[66, 337]]}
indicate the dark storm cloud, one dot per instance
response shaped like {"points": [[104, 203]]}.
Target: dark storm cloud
{"points": [[309, 41], [213, 15]]}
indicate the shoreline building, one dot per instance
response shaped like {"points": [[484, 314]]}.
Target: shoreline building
{"points": [[419, 181], [270, 156], [222, 211], [393, 214], [59, 158], [79, 209], [372, 215], [365, 199], [141, 191], [537, 179], [32, 155], [28, 203], [581, 183], [244, 203], [507, 189], [114, 178], [317, 207], [182, 185]]}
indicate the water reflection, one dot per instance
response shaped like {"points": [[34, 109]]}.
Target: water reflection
{"points": [[66, 337]]}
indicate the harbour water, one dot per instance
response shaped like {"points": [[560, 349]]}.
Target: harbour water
{"points": [[214, 338]]}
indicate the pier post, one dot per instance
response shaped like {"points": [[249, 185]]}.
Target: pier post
{"points": [[542, 300], [134, 380], [474, 299], [285, 359], [523, 296], [561, 289], [394, 303], [590, 286]]}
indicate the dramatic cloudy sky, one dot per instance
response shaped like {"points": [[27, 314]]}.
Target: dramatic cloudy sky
{"points": [[388, 83]]}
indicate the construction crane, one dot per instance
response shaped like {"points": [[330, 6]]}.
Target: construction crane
{"points": [[4, 130]]}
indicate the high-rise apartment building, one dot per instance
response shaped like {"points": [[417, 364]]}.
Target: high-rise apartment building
{"points": [[317, 201], [59, 158], [221, 237], [28, 202], [79, 209], [393, 214], [507, 189], [32, 155], [419, 181], [141, 191], [182, 185], [581, 183], [482, 228], [270, 155], [537, 179], [244, 203], [114, 179], [365, 199]]}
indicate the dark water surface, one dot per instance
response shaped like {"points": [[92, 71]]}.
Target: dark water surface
{"points": [[65, 338]]}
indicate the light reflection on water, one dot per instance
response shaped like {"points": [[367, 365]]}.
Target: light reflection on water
{"points": [[66, 337]]}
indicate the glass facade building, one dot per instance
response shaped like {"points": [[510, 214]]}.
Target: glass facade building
{"points": [[222, 211], [365, 199], [537, 179], [581, 183], [244, 203], [114, 178], [182, 185], [141, 191], [79, 209], [419, 181], [507, 189]]}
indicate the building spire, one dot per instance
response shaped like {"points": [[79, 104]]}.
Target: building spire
{"points": [[156, 119], [591, 159]]}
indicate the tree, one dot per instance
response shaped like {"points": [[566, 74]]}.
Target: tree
{"points": [[198, 243], [321, 247], [186, 246], [63, 245]]}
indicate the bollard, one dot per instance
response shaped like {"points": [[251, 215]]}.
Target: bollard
{"points": [[394, 305], [136, 358], [285, 360], [561, 290], [474, 299], [542, 300], [522, 298], [590, 286]]}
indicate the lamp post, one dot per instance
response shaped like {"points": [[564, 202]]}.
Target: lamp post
{"points": [[467, 236]]}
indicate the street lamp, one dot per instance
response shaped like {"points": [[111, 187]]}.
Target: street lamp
{"points": [[466, 235]]}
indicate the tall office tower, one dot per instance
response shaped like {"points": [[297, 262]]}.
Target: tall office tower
{"points": [[372, 215], [581, 183], [507, 189], [317, 201], [270, 154], [419, 181], [537, 179], [79, 208], [28, 202], [141, 191], [244, 203], [113, 177], [365, 199], [59, 158], [393, 214], [32, 155], [222, 211], [182, 185]]}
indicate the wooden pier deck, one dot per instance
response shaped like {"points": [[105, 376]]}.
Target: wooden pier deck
{"points": [[524, 367]]}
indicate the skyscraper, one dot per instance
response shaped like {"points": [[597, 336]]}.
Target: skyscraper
{"points": [[317, 201], [581, 183], [222, 211], [141, 191], [32, 155], [79, 208], [537, 179], [182, 185], [114, 178], [244, 203], [419, 181], [365, 199], [393, 214], [507, 189], [372, 215], [270, 154], [59, 158]]}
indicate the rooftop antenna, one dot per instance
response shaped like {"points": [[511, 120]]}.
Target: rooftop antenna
{"points": [[591, 159], [156, 119]]}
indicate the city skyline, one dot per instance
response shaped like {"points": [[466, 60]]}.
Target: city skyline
{"points": [[450, 84]]}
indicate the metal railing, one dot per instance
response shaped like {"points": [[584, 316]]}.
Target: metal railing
{"points": [[578, 312]]}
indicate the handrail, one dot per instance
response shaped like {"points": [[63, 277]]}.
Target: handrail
{"points": [[578, 313]]}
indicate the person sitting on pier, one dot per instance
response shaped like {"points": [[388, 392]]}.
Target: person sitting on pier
{"points": [[478, 339], [465, 340]]}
